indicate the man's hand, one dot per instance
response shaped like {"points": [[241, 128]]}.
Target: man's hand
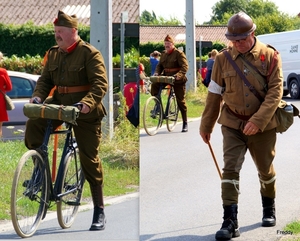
{"points": [[250, 129], [35, 100], [84, 108], [205, 136]]}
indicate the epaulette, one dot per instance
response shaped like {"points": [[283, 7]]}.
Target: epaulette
{"points": [[270, 46], [222, 50], [89, 46], [53, 47]]}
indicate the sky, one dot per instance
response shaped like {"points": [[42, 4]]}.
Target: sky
{"points": [[202, 9]]}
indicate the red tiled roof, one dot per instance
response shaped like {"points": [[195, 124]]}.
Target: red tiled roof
{"points": [[44, 11], [151, 33]]}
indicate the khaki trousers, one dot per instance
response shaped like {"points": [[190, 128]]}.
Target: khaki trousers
{"points": [[262, 150], [180, 90], [88, 135]]}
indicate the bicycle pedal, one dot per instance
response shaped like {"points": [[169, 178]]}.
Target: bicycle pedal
{"points": [[73, 203]]}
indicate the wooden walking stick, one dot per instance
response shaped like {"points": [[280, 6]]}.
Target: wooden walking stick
{"points": [[213, 155]]}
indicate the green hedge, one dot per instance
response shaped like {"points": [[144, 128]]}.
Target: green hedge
{"points": [[146, 49], [29, 39]]}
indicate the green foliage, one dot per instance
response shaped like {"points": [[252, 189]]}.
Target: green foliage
{"points": [[146, 49], [131, 59], [28, 39], [122, 151], [294, 227], [274, 23], [265, 15], [26, 64], [147, 18]]}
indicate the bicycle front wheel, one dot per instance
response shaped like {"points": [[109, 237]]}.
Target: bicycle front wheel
{"points": [[172, 114], [29, 194], [71, 189], [152, 116]]}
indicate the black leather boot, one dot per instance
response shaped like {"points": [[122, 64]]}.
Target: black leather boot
{"points": [[184, 126], [269, 218], [230, 228], [99, 219]]}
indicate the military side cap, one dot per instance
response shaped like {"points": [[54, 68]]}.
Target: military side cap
{"points": [[66, 20], [169, 39]]}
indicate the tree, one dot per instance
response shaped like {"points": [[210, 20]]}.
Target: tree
{"points": [[265, 15], [147, 18]]}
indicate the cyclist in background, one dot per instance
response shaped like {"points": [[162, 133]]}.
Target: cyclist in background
{"points": [[78, 72], [173, 62]]}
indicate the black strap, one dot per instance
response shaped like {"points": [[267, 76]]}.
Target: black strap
{"points": [[243, 77], [262, 80]]}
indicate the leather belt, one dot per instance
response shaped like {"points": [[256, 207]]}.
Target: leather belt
{"points": [[242, 117], [72, 89], [171, 70]]}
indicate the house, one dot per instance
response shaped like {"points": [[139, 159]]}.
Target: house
{"points": [[45, 11], [152, 33]]}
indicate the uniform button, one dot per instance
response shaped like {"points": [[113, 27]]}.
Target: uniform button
{"points": [[246, 94], [247, 105]]}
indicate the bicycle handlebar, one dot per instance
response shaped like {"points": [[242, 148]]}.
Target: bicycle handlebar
{"points": [[78, 105]]}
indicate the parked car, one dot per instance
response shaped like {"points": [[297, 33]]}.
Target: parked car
{"points": [[23, 86]]}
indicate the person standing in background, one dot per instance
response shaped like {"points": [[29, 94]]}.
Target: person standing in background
{"points": [[5, 86], [209, 65], [140, 73], [154, 59]]}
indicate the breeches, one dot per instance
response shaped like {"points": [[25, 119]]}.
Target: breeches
{"points": [[88, 135], [262, 150]]}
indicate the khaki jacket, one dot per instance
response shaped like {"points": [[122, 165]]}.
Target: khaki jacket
{"points": [[173, 64], [82, 66], [227, 85]]}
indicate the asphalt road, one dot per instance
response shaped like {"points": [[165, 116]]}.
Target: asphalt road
{"points": [[180, 187], [122, 223]]}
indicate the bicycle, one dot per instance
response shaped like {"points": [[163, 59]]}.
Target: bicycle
{"points": [[34, 189], [161, 107]]}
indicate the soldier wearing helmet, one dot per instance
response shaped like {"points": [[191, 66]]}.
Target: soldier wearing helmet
{"points": [[247, 117]]}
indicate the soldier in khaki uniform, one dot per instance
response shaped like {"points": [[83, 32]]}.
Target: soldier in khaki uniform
{"points": [[77, 71], [173, 62], [246, 122]]}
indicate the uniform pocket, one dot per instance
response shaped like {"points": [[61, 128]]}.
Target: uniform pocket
{"points": [[230, 80], [77, 74]]}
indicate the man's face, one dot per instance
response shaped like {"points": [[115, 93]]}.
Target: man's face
{"points": [[63, 36], [168, 46], [244, 45]]}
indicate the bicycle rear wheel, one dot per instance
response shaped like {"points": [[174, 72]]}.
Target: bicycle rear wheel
{"points": [[71, 189], [29, 194], [172, 114], [152, 116]]}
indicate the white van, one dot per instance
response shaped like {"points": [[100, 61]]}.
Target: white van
{"points": [[288, 45]]}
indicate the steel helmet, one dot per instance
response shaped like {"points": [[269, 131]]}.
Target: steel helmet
{"points": [[239, 26]]}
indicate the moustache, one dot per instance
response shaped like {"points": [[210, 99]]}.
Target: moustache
{"points": [[58, 39]]}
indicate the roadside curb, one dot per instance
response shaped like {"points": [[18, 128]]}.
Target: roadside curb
{"points": [[6, 225], [142, 130]]}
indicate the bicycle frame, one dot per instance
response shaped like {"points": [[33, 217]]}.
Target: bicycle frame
{"points": [[43, 150], [170, 94]]}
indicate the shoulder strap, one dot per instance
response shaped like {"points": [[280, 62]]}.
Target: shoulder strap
{"points": [[243, 77], [255, 72]]}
